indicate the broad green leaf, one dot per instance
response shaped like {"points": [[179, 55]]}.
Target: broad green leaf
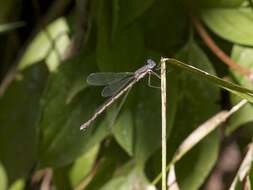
{"points": [[251, 176], [6, 8], [18, 115], [82, 166], [195, 167], [120, 51], [124, 51], [244, 57], [10, 26], [18, 184], [3, 178], [129, 177], [146, 117], [60, 139], [164, 26], [128, 11], [50, 45], [111, 157], [123, 131], [234, 25], [242, 92], [61, 178], [218, 3], [230, 3], [200, 133], [197, 103]]}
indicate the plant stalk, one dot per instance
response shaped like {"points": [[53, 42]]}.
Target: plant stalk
{"points": [[163, 107]]}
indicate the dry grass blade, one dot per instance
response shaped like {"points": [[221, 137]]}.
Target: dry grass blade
{"points": [[204, 129], [198, 134], [172, 180], [201, 132], [244, 93], [244, 169]]}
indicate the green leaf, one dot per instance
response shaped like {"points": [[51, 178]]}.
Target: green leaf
{"points": [[124, 51], [83, 166], [50, 45], [10, 26], [129, 11], [197, 103], [61, 178], [230, 3], [18, 185], [244, 57], [164, 26], [120, 50], [129, 177], [198, 163], [111, 157], [218, 3], [251, 176], [123, 131], [18, 115], [6, 9], [234, 25], [146, 113], [3, 178], [61, 140]]}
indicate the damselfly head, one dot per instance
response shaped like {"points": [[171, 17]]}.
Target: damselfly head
{"points": [[151, 64]]}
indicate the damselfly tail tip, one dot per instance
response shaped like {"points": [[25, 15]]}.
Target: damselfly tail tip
{"points": [[83, 127]]}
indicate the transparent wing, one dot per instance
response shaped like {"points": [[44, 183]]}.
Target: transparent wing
{"points": [[102, 79], [115, 87]]}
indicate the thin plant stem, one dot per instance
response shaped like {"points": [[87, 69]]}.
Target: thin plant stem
{"points": [[163, 107]]}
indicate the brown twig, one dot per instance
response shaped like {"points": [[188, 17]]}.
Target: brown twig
{"points": [[44, 177], [47, 179], [9, 77], [217, 51]]}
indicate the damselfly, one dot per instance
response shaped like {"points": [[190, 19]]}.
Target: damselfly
{"points": [[116, 84]]}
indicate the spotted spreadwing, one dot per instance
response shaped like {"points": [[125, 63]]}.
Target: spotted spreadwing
{"points": [[116, 84]]}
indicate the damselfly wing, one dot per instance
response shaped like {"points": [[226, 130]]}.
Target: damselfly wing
{"points": [[113, 82], [116, 84]]}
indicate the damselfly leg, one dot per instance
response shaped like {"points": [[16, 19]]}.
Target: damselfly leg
{"points": [[149, 80]]}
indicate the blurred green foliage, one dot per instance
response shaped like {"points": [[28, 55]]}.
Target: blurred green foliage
{"points": [[48, 99]]}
